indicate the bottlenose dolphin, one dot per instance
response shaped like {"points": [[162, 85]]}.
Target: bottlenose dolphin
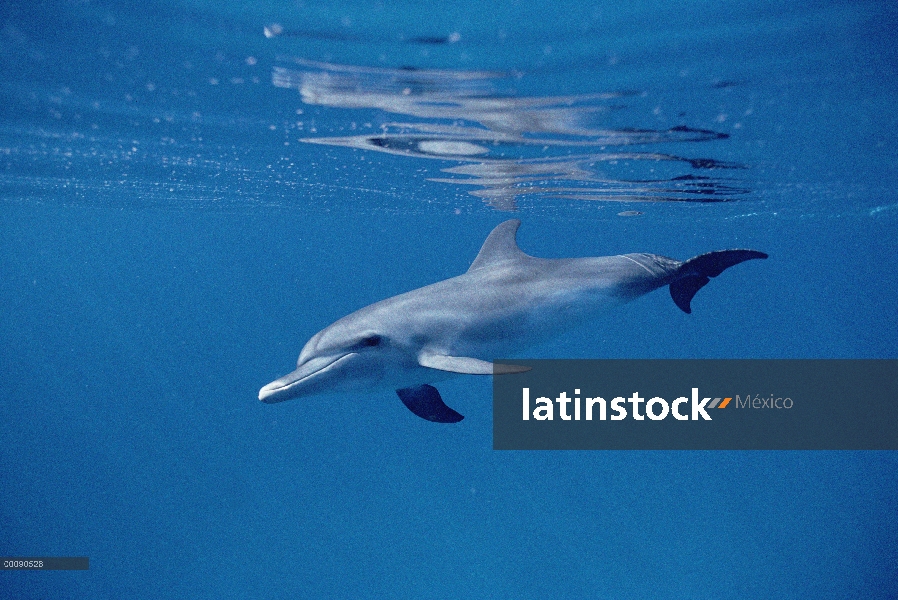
{"points": [[505, 302]]}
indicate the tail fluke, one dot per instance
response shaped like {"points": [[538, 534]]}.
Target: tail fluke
{"points": [[696, 272]]}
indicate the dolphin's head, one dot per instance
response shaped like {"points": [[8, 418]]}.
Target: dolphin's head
{"points": [[340, 357]]}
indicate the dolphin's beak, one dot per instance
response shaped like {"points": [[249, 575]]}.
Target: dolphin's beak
{"points": [[309, 378]]}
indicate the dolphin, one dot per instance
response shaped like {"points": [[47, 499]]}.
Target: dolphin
{"points": [[504, 303]]}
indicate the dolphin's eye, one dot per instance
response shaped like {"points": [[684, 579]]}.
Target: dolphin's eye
{"points": [[371, 340]]}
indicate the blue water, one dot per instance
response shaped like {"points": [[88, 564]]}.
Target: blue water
{"points": [[190, 190]]}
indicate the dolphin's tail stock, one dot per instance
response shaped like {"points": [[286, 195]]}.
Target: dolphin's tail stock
{"points": [[696, 272]]}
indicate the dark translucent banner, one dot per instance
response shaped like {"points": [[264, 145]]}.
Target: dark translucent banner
{"points": [[697, 405], [45, 563]]}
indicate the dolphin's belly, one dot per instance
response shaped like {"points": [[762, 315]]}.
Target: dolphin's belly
{"points": [[527, 325]]}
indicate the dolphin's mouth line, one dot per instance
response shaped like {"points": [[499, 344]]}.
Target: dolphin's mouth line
{"points": [[269, 391]]}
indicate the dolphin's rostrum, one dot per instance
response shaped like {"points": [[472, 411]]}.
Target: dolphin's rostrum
{"points": [[505, 302]]}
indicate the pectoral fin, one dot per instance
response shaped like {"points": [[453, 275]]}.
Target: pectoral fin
{"points": [[425, 401], [466, 365]]}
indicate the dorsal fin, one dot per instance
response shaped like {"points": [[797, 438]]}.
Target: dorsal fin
{"points": [[500, 245]]}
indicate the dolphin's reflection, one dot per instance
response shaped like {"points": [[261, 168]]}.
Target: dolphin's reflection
{"points": [[508, 146]]}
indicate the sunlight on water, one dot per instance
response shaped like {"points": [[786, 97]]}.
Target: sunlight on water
{"points": [[507, 146]]}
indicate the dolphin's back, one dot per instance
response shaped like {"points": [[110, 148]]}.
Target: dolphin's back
{"points": [[624, 277], [524, 300]]}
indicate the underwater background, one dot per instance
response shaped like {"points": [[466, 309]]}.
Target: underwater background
{"points": [[189, 190]]}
